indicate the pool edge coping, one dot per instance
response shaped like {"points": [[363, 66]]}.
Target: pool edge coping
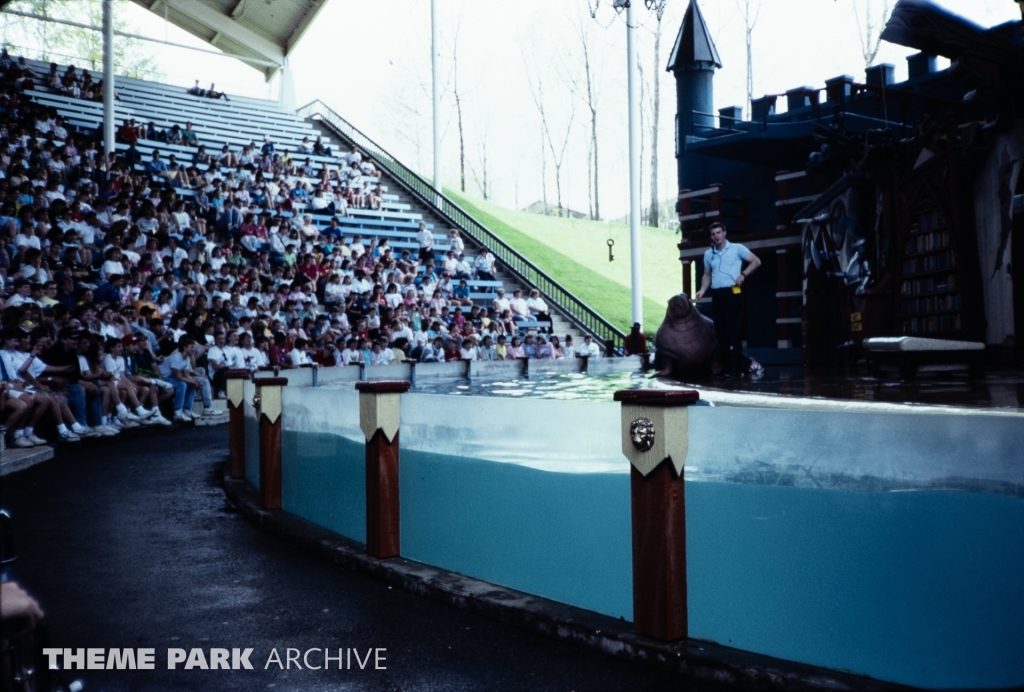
{"points": [[696, 659]]}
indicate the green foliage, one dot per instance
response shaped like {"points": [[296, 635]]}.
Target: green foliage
{"points": [[575, 253], [71, 44]]}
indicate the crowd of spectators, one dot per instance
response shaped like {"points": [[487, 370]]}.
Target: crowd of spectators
{"points": [[131, 286]]}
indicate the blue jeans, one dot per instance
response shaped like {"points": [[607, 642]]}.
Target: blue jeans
{"points": [[86, 409], [184, 394]]}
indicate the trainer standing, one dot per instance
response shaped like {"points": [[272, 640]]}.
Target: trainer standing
{"points": [[725, 275]]}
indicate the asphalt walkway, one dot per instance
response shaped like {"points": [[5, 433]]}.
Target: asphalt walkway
{"points": [[132, 544]]}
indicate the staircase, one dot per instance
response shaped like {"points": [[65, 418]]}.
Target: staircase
{"points": [[569, 314], [561, 324]]}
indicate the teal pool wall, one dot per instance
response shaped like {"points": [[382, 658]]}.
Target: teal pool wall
{"points": [[561, 536], [923, 588], [323, 479], [890, 546]]}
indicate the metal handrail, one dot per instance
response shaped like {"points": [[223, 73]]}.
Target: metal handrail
{"points": [[528, 272]]}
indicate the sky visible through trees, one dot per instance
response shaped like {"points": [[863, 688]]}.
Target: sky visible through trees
{"points": [[370, 61]]}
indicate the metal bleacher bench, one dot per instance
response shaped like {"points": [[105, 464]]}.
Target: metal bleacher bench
{"points": [[909, 353]]}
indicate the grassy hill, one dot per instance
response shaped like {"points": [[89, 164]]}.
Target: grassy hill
{"points": [[575, 253]]}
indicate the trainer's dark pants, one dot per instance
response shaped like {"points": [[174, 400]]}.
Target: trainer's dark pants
{"points": [[725, 311]]}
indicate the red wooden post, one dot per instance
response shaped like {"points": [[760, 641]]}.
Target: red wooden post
{"points": [[268, 411], [236, 422], [379, 419], [654, 431]]}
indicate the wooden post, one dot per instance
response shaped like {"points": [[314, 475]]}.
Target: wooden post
{"points": [[236, 422], [268, 411], [654, 431], [379, 419]]}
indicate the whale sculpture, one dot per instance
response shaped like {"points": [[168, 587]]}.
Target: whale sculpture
{"points": [[686, 347]]}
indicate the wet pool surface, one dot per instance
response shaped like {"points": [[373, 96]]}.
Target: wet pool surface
{"points": [[1001, 388]]}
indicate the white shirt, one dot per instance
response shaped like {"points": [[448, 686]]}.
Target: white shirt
{"points": [[251, 358], [115, 366], [297, 357], [383, 358]]}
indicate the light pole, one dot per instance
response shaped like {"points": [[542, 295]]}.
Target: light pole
{"points": [[635, 250], [437, 99], [633, 100], [108, 78]]}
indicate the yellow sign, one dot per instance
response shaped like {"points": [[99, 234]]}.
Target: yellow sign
{"points": [[857, 327], [856, 317]]}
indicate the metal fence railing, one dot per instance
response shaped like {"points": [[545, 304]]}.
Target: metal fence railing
{"points": [[525, 270]]}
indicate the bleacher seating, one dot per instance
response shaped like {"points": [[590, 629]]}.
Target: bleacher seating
{"points": [[244, 121]]}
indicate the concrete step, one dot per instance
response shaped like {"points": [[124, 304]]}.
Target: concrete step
{"points": [[18, 459]]}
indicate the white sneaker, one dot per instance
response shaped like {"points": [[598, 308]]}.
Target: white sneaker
{"points": [[68, 436], [213, 412], [36, 441], [125, 424], [107, 431], [87, 432], [23, 442], [159, 420], [190, 413], [182, 417], [146, 413], [127, 416]]}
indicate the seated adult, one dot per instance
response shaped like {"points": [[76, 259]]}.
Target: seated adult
{"points": [[127, 133], [519, 307], [156, 164], [539, 309], [590, 349], [501, 303], [433, 352], [175, 371]]}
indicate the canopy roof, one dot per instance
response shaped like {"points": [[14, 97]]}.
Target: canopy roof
{"points": [[261, 32]]}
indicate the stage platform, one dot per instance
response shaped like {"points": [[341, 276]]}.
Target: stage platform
{"points": [[1002, 387]]}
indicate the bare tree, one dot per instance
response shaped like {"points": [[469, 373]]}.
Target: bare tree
{"points": [[585, 88], [537, 92], [481, 178], [458, 96], [558, 158], [750, 10], [655, 91], [870, 23]]}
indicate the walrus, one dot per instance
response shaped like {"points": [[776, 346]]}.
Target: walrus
{"points": [[686, 347]]}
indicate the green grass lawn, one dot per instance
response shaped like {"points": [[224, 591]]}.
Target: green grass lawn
{"points": [[575, 253]]}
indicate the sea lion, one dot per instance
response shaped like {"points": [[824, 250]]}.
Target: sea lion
{"points": [[686, 347]]}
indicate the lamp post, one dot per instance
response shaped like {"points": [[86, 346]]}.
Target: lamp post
{"points": [[434, 47], [633, 100], [635, 264]]}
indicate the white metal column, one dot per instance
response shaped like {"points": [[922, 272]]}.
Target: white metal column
{"points": [[435, 69], [634, 168], [108, 77]]}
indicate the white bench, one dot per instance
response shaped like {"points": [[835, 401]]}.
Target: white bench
{"points": [[911, 353]]}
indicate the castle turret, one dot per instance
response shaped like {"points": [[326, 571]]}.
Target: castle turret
{"points": [[693, 61]]}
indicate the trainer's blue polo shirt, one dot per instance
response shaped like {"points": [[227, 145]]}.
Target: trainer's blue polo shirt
{"points": [[726, 265]]}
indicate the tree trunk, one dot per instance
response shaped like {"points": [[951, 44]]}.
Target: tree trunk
{"points": [[653, 219]]}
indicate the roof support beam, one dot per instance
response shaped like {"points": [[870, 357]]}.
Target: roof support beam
{"points": [[303, 24], [228, 28]]}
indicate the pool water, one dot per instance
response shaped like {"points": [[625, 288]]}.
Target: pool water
{"points": [[922, 588]]}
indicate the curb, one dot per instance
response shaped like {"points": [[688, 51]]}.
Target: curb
{"points": [[692, 658]]}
